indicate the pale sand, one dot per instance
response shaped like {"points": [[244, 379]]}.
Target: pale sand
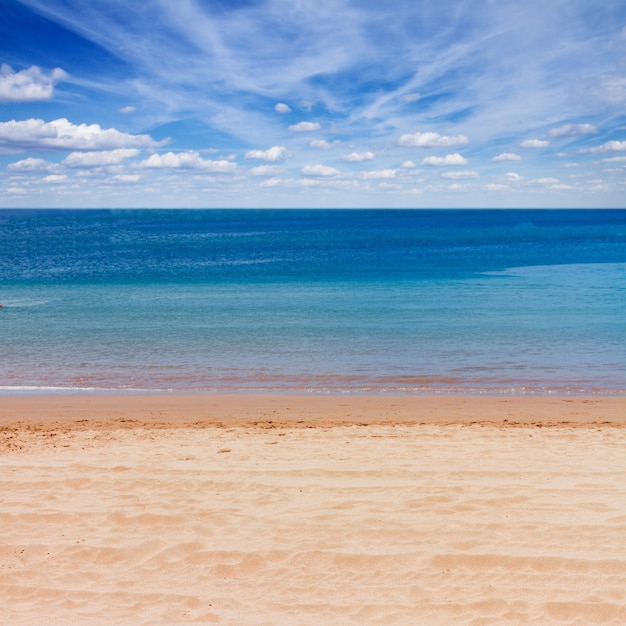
{"points": [[312, 510]]}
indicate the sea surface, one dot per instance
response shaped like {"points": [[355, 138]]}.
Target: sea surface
{"points": [[320, 301]]}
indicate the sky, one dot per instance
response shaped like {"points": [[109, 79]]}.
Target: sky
{"points": [[312, 103]]}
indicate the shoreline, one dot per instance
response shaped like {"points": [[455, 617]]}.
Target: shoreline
{"points": [[180, 410]]}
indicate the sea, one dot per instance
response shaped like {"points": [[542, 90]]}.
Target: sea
{"points": [[313, 301]]}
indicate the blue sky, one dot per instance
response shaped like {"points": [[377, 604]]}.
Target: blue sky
{"points": [[313, 103]]}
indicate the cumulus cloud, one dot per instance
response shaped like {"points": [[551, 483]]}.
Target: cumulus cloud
{"points": [[322, 144], [460, 175], [28, 85], [573, 130], [100, 158], [55, 178], [377, 174], [359, 156], [265, 170], [187, 160], [304, 127], [495, 187], [546, 181], [449, 159], [512, 176], [275, 153], [281, 107], [127, 178], [35, 134], [409, 164], [615, 160], [270, 182], [128, 109], [507, 156], [610, 146], [320, 170], [431, 140], [32, 165], [534, 143]]}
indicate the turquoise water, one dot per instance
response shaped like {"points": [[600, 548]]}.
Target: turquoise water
{"points": [[320, 301]]}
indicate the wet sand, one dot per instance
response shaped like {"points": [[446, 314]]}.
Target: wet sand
{"points": [[246, 509]]}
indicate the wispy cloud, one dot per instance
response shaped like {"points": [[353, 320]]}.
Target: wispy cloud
{"points": [[381, 81], [573, 130]]}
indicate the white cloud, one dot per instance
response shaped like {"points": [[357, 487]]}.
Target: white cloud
{"points": [[546, 181], [35, 134], [322, 144], [610, 160], [573, 130], [55, 178], [270, 182], [28, 85], [512, 176], [187, 160], [534, 143], [431, 140], [449, 159], [560, 186], [128, 109], [32, 165], [495, 187], [265, 170], [281, 107], [409, 164], [377, 174], [610, 146], [304, 127], [614, 89], [356, 157], [507, 156], [275, 153], [460, 175], [99, 159], [320, 170], [410, 97], [127, 178]]}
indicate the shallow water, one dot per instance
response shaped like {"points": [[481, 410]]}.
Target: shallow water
{"points": [[324, 301]]}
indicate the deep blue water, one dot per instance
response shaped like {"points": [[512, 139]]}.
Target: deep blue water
{"points": [[328, 301]]}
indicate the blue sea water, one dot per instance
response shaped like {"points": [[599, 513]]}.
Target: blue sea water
{"points": [[327, 301]]}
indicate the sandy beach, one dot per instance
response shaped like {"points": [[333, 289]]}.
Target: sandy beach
{"points": [[261, 509]]}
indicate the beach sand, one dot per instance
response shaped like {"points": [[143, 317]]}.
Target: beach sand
{"points": [[261, 509]]}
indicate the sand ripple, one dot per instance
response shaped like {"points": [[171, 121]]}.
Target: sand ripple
{"points": [[347, 525]]}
